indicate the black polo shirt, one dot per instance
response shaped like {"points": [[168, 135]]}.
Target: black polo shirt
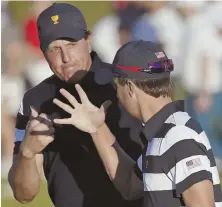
{"points": [[75, 174], [177, 155]]}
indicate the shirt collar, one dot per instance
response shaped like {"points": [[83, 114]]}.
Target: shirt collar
{"points": [[154, 124], [95, 62]]}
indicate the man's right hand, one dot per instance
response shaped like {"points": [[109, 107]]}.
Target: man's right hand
{"points": [[85, 116], [39, 133]]}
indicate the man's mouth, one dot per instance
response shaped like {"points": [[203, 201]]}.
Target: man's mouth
{"points": [[68, 74]]}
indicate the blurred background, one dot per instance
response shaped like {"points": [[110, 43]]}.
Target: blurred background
{"points": [[189, 32]]}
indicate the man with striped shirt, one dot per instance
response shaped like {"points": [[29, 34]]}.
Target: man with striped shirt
{"points": [[177, 162]]}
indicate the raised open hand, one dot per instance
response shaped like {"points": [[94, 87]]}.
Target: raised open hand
{"points": [[84, 116]]}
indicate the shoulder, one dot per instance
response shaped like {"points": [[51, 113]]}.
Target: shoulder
{"points": [[38, 94], [42, 89], [185, 126], [186, 132], [34, 97]]}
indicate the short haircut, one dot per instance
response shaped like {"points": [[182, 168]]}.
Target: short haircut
{"points": [[156, 87], [86, 35]]}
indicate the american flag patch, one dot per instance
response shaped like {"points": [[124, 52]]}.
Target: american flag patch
{"points": [[159, 54], [193, 163]]}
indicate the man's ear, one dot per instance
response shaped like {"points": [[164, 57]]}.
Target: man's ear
{"points": [[89, 41], [131, 88]]}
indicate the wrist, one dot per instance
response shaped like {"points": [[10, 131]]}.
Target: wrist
{"points": [[26, 153], [97, 130]]}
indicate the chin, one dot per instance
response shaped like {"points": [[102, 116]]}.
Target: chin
{"points": [[71, 81], [76, 78]]}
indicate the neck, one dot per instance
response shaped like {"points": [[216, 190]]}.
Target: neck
{"points": [[89, 64], [154, 106]]}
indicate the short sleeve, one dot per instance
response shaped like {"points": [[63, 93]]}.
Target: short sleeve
{"points": [[21, 122], [194, 167]]}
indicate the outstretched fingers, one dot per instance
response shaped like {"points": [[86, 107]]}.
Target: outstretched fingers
{"points": [[83, 97], [69, 97], [63, 106], [63, 121]]}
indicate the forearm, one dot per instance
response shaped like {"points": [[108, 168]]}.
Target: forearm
{"points": [[24, 178], [104, 141], [119, 166]]}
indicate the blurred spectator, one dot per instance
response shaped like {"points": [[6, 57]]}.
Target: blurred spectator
{"points": [[13, 88], [143, 30], [192, 14], [168, 25], [13, 84], [37, 68], [112, 31], [31, 35], [10, 32], [7, 135], [5, 14], [118, 5], [202, 69], [127, 17], [30, 26], [12, 65], [105, 37]]}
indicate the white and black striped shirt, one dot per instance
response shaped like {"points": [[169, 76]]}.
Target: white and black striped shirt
{"points": [[178, 155]]}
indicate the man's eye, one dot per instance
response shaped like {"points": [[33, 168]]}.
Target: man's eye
{"points": [[54, 49], [71, 45]]}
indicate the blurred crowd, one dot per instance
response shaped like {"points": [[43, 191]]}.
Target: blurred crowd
{"points": [[189, 32]]}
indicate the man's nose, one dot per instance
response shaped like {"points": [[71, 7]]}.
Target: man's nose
{"points": [[65, 55]]}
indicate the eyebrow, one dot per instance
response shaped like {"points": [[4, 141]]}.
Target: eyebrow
{"points": [[56, 45], [74, 43]]}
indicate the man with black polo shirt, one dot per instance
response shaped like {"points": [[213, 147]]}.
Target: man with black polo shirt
{"points": [[73, 169], [177, 162]]}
